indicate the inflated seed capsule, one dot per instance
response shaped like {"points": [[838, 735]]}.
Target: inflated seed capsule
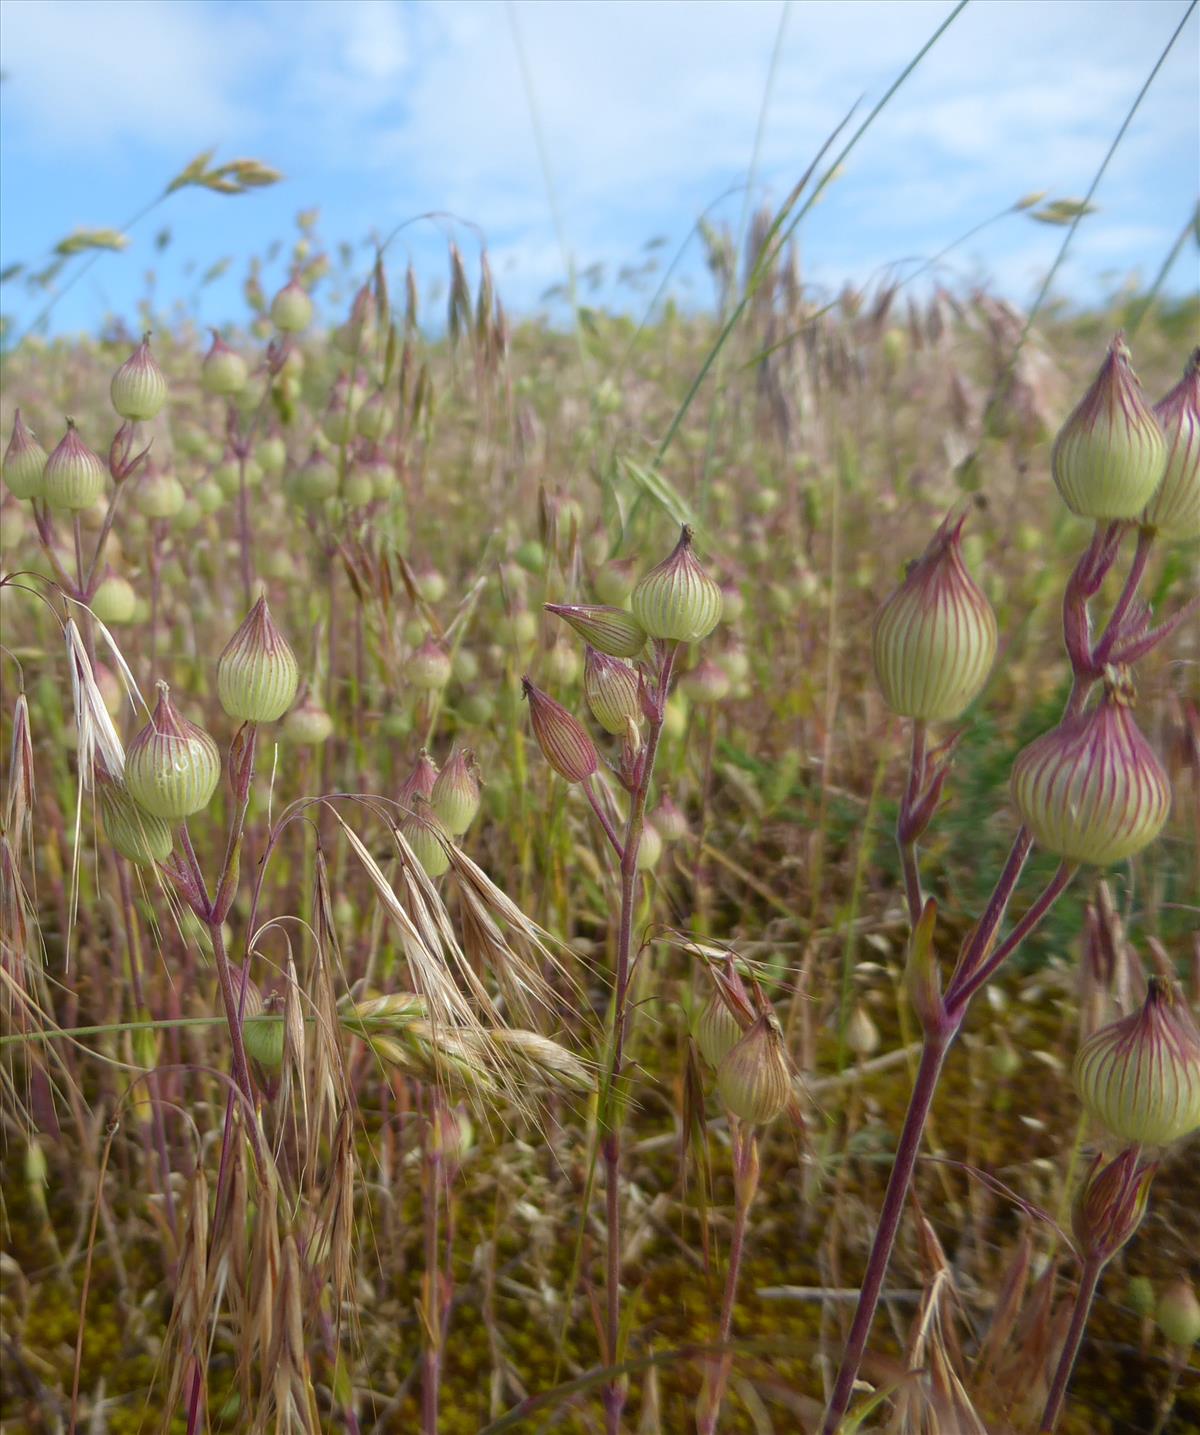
{"points": [[223, 371], [429, 667], [114, 600], [1091, 790], [753, 1077], [172, 766], [611, 688], [136, 835], [716, 1031], [24, 461], [308, 725], [934, 639], [257, 675], [1178, 1314], [73, 477], [1174, 511], [139, 388], [1110, 455], [291, 309], [427, 837], [264, 1031], [455, 794], [564, 741], [1140, 1077], [678, 600]]}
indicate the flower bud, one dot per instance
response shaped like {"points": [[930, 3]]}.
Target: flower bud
{"points": [[114, 601], [138, 388], [707, 682], [257, 674], [428, 838], [1178, 1314], [172, 766], [1140, 1077], [716, 1030], [136, 835], [24, 461], [291, 309], [1110, 454], [455, 795], [74, 476], [1175, 508], [935, 638], [611, 631], [1111, 1204], [1092, 790], [223, 371], [429, 668], [753, 1077], [308, 725], [563, 740], [671, 823], [678, 600], [611, 688]]}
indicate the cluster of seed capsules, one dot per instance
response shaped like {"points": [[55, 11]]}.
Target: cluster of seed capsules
{"points": [[1092, 791]]}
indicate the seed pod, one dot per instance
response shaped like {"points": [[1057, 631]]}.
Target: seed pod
{"points": [[271, 454], [291, 309], [1139, 1295], [1175, 508], [429, 668], [716, 1031], [374, 418], [308, 725], [707, 682], [670, 821], [455, 795], [1110, 455], [678, 600], [1092, 790], [139, 388], [1178, 1314], [753, 1077], [615, 580], [74, 476], [223, 372], [1140, 1077], [420, 782], [611, 688], [158, 495], [934, 639], [264, 1031], [650, 846], [24, 461], [172, 766], [257, 676], [114, 601], [316, 480], [428, 838], [137, 836], [563, 740], [611, 631]]}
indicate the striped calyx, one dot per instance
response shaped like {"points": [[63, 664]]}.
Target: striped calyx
{"points": [[223, 371], [428, 838], [74, 476], [1111, 1204], [753, 1076], [1140, 1077], [257, 676], [1092, 790], [429, 668], [420, 782], [1110, 454], [611, 631], [1175, 508], [137, 836], [24, 461], [934, 639], [455, 795], [563, 739], [678, 601], [264, 1031], [138, 388], [716, 1030], [611, 688], [172, 766], [308, 725], [291, 309]]}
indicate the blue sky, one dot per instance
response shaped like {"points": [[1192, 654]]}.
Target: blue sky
{"points": [[377, 110]]}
